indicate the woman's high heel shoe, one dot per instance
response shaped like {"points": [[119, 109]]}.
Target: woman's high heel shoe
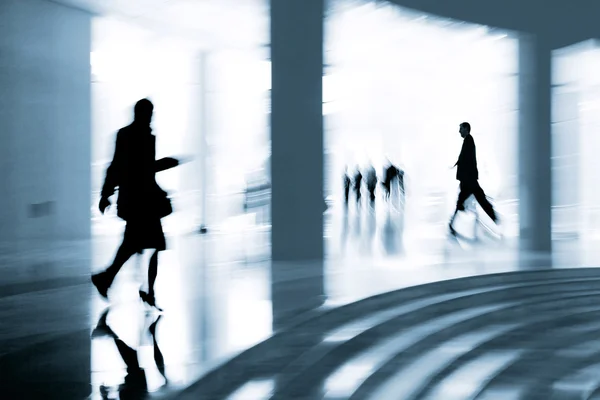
{"points": [[150, 300]]}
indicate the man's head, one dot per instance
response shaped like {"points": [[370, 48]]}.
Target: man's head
{"points": [[143, 111], [465, 129]]}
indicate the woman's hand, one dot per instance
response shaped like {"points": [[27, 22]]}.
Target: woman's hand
{"points": [[104, 204], [185, 159]]}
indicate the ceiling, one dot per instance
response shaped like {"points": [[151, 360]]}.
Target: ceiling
{"points": [[243, 23], [562, 22], [205, 23]]}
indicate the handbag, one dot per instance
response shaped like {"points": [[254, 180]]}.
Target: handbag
{"points": [[164, 207]]}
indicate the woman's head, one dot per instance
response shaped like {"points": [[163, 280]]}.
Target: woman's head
{"points": [[142, 112]]}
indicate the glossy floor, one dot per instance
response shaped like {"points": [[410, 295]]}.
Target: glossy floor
{"points": [[220, 294], [514, 336]]}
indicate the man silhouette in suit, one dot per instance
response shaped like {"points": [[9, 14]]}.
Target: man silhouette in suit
{"points": [[468, 175]]}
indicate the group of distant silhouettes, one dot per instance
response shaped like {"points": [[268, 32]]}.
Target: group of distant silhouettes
{"points": [[467, 174], [392, 177]]}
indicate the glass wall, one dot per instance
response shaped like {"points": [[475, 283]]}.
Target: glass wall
{"points": [[589, 143], [575, 139], [397, 85], [239, 149]]}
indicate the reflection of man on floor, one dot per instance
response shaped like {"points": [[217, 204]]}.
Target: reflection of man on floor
{"points": [[468, 175]]}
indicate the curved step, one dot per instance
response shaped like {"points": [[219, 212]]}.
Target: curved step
{"points": [[581, 384], [300, 359], [429, 364], [305, 365], [450, 320], [525, 332], [509, 350], [533, 374]]}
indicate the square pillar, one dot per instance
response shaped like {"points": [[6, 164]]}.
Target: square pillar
{"points": [[46, 196], [297, 153], [535, 173], [567, 191]]}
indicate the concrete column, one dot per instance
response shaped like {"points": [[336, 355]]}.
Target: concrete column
{"points": [[44, 121], [535, 175], [73, 135], [297, 153], [566, 162], [45, 158]]}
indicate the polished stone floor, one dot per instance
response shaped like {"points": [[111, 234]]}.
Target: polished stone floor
{"points": [[221, 296], [524, 335]]}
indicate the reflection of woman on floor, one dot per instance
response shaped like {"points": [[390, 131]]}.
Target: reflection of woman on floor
{"points": [[141, 202], [135, 385]]}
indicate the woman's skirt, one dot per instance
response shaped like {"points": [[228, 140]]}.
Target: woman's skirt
{"points": [[145, 233]]}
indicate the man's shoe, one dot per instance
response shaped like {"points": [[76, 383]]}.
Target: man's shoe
{"points": [[497, 219], [452, 230]]}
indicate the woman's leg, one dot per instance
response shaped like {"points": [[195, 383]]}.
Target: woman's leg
{"points": [[104, 280], [148, 298], [152, 272]]}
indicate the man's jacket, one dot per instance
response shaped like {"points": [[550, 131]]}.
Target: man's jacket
{"points": [[467, 162]]}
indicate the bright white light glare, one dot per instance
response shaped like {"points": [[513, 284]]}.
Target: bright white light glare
{"points": [[403, 85], [332, 88], [140, 66], [575, 141], [346, 379], [589, 105], [249, 320], [256, 390]]}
